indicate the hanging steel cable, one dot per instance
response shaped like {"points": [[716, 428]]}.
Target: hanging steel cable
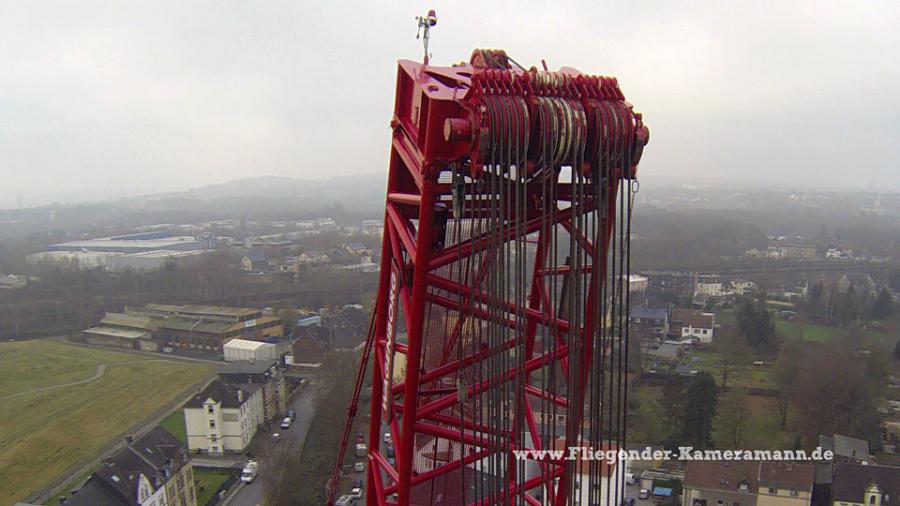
{"points": [[501, 325]]}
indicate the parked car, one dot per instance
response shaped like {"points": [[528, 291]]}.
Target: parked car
{"points": [[276, 437], [251, 469], [644, 494], [292, 414], [628, 501], [286, 423]]}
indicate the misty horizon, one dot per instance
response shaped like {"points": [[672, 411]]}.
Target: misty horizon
{"points": [[106, 102]]}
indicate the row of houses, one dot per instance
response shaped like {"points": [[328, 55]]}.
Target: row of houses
{"points": [[701, 288], [338, 329], [281, 259], [154, 470], [159, 327], [664, 322], [772, 483]]}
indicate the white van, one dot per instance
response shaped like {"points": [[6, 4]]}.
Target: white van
{"points": [[251, 469]]}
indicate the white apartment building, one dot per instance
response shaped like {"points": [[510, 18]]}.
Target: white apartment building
{"points": [[223, 418]]}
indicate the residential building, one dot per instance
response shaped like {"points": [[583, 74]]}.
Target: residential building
{"points": [[154, 470], [696, 325], [743, 287], [313, 257], [747, 483], [310, 346], [785, 484], [650, 320], [608, 489], [793, 251], [670, 282], [845, 448], [890, 430], [865, 485], [223, 418], [637, 287], [263, 373], [254, 260], [351, 316], [709, 285]]}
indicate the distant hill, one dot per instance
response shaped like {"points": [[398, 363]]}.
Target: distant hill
{"points": [[348, 190], [346, 199]]}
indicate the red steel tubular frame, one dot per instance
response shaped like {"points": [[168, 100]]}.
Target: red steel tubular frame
{"points": [[431, 130]]}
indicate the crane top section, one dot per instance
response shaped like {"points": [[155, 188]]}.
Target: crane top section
{"points": [[489, 112]]}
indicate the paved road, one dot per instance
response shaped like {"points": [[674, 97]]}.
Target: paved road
{"points": [[293, 438]]}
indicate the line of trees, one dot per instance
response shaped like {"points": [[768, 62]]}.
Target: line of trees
{"points": [[831, 388], [65, 300], [830, 304]]}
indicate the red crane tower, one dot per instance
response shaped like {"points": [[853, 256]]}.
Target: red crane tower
{"points": [[500, 328]]}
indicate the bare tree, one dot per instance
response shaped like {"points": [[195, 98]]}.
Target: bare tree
{"points": [[733, 415]]}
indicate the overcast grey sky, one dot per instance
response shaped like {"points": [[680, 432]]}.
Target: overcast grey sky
{"points": [[103, 99]]}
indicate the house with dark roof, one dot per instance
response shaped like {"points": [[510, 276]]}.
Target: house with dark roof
{"points": [[650, 320], [254, 260], [310, 345], [154, 470], [223, 418], [266, 374], [351, 315], [748, 483], [865, 485]]}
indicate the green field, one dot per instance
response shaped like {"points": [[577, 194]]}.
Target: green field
{"points": [[744, 375], [207, 482], [806, 331], [45, 434], [760, 432]]}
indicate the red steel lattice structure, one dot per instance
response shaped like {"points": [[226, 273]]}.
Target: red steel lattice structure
{"points": [[506, 188]]}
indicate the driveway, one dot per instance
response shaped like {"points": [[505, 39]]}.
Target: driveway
{"points": [[293, 439]]}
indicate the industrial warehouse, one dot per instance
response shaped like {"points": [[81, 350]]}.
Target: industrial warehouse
{"points": [[144, 251], [158, 327]]}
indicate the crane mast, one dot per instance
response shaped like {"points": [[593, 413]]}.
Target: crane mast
{"points": [[500, 328]]}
